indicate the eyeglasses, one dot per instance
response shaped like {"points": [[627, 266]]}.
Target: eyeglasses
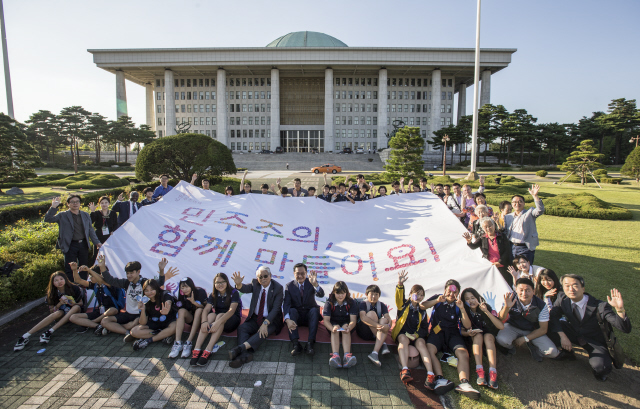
{"points": [[263, 276], [220, 282]]}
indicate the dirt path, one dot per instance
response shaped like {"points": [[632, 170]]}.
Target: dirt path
{"points": [[568, 384]]}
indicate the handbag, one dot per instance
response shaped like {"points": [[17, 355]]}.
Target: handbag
{"points": [[614, 347]]}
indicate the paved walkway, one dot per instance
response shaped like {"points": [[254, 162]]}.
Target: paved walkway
{"points": [[88, 371]]}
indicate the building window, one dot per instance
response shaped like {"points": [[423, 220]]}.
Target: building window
{"points": [[183, 108], [355, 120], [159, 109], [441, 121], [232, 121], [442, 108], [214, 120], [412, 108], [375, 120], [449, 108], [337, 120], [448, 121], [244, 120], [213, 108]]}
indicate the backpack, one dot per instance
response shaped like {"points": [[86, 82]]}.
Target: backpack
{"points": [[614, 347], [117, 295], [378, 308], [356, 305]]}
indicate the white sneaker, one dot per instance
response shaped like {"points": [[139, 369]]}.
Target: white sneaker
{"points": [[176, 349], [186, 349], [467, 390]]}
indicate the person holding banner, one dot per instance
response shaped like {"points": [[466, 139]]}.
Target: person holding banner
{"points": [[265, 314], [126, 209], [205, 182], [164, 188], [300, 307], [494, 246], [412, 327]]}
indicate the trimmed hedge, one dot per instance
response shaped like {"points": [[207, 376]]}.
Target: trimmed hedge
{"points": [[585, 206], [81, 180], [32, 246], [542, 173], [600, 172]]}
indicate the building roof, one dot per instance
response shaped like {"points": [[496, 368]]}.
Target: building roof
{"points": [[306, 39]]}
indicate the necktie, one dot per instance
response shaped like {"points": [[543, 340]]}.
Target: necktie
{"points": [[134, 207], [301, 292], [263, 297], [576, 312]]}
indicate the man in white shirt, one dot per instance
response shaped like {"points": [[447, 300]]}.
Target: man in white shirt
{"points": [[520, 226]]}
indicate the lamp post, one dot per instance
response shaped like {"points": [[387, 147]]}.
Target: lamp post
{"points": [[5, 57], [637, 138], [445, 139]]}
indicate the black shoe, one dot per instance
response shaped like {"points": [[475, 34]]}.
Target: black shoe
{"points": [[239, 360], [297, 348], [535, 352], [504, 350], [601, 378], [81, 330], [309, 348], [566, 355], [233, 354]]}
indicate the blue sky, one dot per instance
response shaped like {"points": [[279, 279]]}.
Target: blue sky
{"points": [[573, 56]]}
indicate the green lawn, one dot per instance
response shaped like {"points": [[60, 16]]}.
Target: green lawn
{"points": [[606, 253], [30, 193]]}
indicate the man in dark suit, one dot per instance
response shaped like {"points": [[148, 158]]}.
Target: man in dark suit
{"points": [[300, 308], [581, 326], [126, 209], [74, 232], [265, 315]]}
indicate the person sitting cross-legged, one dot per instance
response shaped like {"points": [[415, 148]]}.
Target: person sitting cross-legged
{"points": [[300, 307], [527, 322], [374, 322], [581, 325], [265, 315]]}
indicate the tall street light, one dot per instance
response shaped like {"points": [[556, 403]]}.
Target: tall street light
{"points": [[476, 88], [445, 139], [637, 138], [5, 55]]}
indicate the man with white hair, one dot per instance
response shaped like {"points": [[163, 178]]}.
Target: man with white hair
{"points": [[265, 315]]}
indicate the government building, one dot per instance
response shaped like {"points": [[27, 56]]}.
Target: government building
{"points": [[303, 92]]}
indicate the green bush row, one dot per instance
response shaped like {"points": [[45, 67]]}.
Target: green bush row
{"points": [[542, 173], [81, 180], [32, 246], [585, 206]]}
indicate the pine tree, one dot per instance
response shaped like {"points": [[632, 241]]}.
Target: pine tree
{"points": [[405, 160], [17, 156], [631, 166], [583, 161]]}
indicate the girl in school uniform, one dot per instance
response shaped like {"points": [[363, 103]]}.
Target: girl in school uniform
{"points": [[64, 300], [547, 286], [220, 314], [411, 327], [339, 317], [485, 325], [157, 316], [191, 301]]}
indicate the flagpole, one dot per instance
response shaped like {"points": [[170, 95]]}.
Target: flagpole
{"points": [[5, 55], [476, 90]]}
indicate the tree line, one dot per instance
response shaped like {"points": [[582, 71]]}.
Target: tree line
{"points": [[48, 133], [516, 137]]}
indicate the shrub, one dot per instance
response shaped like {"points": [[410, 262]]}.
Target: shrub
{"points": [[585, 206], [542, 173], [32, 246], [613, 181], [600, 172]]}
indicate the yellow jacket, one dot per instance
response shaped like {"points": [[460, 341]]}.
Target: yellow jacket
{"points": [[403, 312]]}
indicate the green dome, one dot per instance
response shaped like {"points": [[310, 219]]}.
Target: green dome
{"points": [[306, 39]]}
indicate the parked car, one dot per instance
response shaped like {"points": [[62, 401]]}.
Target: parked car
{"points": [[265, 152], [347, 150], [326, 168], [360, 150], [279, 149]]}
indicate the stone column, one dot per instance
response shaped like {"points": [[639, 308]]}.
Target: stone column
{"points": [[485, 90], [151, 117], [221, 112], [382, 108], [329, 141], [462, 100], [436, 101], [169, 104], [275, 108], [121, 94]]}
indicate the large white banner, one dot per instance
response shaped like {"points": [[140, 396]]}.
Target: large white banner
{"points": [[202, 233]]}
